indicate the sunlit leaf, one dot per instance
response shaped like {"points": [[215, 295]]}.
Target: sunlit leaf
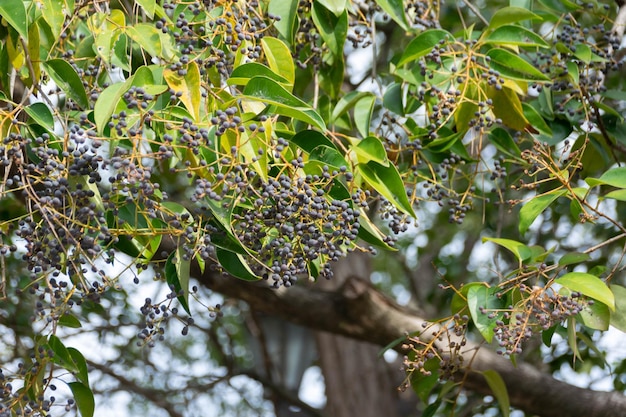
{"points": [[147, 36], [279, 58], [588, 285], [515, 35], [14, 11], [615, 177], [595, 316], [287, 10], [395, 10], [52, 12], [107, 102], [371, 149], [41, 114], [187, 84], [270, 92], [521, 251], [149, 6], [507, 15], [243, 73]]}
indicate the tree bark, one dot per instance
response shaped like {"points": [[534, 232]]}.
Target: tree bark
{"points": [[357, 310], [358, 382]]}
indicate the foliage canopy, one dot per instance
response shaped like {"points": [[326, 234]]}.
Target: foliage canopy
{"points": [[158, 138]]}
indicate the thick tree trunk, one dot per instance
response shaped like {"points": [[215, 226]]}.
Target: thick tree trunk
{"points": [[358, 382]]}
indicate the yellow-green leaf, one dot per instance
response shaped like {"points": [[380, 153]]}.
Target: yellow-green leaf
{"points": [[588, 285], [279, 58], [187, 85]]}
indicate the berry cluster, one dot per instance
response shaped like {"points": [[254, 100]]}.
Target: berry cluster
{"points": [[294, 223], [438, 347], [542, 309]]}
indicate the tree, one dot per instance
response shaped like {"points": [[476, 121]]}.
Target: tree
{"points": [[177, 150]]}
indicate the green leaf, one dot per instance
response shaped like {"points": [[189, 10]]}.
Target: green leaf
{"points": [[387, 181], [431, 410], [328, 156], [574, 258], [588, 285], [65, 76], [61, 354], [521, 251], [508, 107], [183, 265], [235, 264], [618, 318], [363, 114], [507, 15], [149, 6], [596, 316], [423, 44], [270, 92], [308, 140], [288, 12], [481, 301], [172, 278], [147, 36], [107, 102], [332, 28], [535, 207], [243, 73], [615, 177], [188, 85], [14, 12], [583, 52], [395, 10], [82, 373], [69, 320], [371, 149], [498, 388], [571, 336], [513, 35], [279, 58], [503, 141], [52, 13], [536, 121], [84, 398], [392, 99], [512, 66], [335, 6], [41, 114]]}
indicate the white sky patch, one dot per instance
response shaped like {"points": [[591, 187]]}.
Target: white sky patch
{"points": [[312, 387]]}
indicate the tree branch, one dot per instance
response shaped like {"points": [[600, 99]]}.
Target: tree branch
{"points": [[360, 311]]}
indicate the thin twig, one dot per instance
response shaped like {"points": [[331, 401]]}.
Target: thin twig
{"points": [[476, 11]]}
